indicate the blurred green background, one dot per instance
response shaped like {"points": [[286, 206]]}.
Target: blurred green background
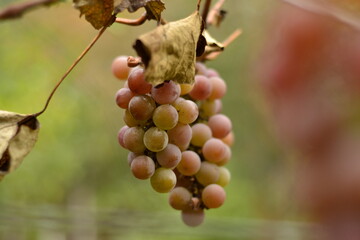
{"points": [[77, 175]]}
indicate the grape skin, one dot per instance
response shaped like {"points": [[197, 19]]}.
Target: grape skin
{"points": [[133, 139], [188, 111], [213, 196], [142, 167], [169, 157], [142, 107], [208, 173], [180, 198], [155, 139], [123, 97], [165, 117], [120, 67], [190, 163], [163, 180], [166, 93], [220, 125], [200, 134], [214, 150], [193, 218], [202, 88], [137, 83], [180, 135], [224, 178]]}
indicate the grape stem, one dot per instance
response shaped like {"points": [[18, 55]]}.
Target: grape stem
{"points": [[206, 11], [214, 12], [133, 22], [18, 10], [80, 57]]}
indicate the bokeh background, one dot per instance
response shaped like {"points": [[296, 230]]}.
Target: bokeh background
{"points": [[76, 183]]}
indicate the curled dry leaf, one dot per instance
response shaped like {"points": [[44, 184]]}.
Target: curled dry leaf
{"points": [[169, 51], [212, 44], [18, 135], [97, 12], [153, 7]]}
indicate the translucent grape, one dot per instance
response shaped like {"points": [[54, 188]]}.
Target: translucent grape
{"points": [[142, 107], [188, 111], [123, 97], [208, 173], [208, 108], [214, 150], [220, 125], [202, 88], [200, 134], [133, 139], [163, 180], [137, 83], [180, 135], [120, 67], [121, 135], [180, 198], [190, 163], [224, 177], [165, 117], [213, 196], [169, 157], [193, 218], [155, 139], [218, 89], [185, 88], [142, 167], [226, 157], [166, 93]]}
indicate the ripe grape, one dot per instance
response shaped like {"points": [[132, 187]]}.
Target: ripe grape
{"points": [[208, 173], [200, 134], [166, 93], [180, 135], [180, 198], [185, 88], [165, 117], [163, 180], [218, 89], [202, 88], [123, 97], [169, 157], [143, 167], [137, 83], [193, 218], [142, 107], [120, 67], [220, 125], [188, 111], [224, 177], [121, 135], [155, 139], [190, 163], [213, 196], [130, 120], [214, 150], [133, 139]]}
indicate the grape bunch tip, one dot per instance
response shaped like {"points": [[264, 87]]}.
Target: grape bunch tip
{"points": [[177, 137]]}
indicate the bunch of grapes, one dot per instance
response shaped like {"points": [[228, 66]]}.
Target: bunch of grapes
{"points": [[177, 137]]}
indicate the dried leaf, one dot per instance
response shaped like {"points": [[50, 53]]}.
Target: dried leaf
{"points": [[153, 7], [212, 44], [169, 51], [18, 134], [97, 12]]}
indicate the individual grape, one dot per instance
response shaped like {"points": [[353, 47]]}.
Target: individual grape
{"points": [[185, 88], [169, 157], [121, 135], [120, 67], [202, 88], [190, 163], [180, 198], [213, 196], [123, 97], [131, 156], [180, 135], [166, 92], [188, 111], [224, 177], [200, 68], [130, 120], [177, 101], [226, 157], [165, 117], [142, 107], [214, 150], [208, 173], [200, 134], [133, 140], [142, 167], [210, 72], [218, 103], [155, 139], [220, 125], [229, 139], [137, 83], [208, 108], [163, 180], [193, 218], [218, 89]]}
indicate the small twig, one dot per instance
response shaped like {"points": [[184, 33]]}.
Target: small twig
{"points": [[206, 11], [225, 43], [134, 61], [17, 10], [132, 22], [198, 5], [87, 49], [214, 12]]}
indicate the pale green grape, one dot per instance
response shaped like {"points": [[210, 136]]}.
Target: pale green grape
{"points": [[165, 117], [155, 139], [163, 180]]}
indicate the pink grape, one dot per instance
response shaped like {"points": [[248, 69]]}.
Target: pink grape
{"points": [[133, 139], [188, 111], [218, 89], [190, 163], [202, 88], [120, 67], [142, 107], [193, 218], [220, 125], [180, 135], [142, 167], [123, 97], [137, 83], [166, 92], [208, 173], [214, 150], [200, 134], [169, 157], [213, 196], [121, 135], [180, 198]]}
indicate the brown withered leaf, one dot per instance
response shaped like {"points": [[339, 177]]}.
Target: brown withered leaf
{"points": [[97, 12], [212, 44], [169, 51], [153, 7], [18, 135]]}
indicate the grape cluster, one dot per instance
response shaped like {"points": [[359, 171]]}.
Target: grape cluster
{"points": [[177, 137]]}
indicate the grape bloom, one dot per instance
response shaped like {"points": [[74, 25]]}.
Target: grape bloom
{"points": [[177, 137]]}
